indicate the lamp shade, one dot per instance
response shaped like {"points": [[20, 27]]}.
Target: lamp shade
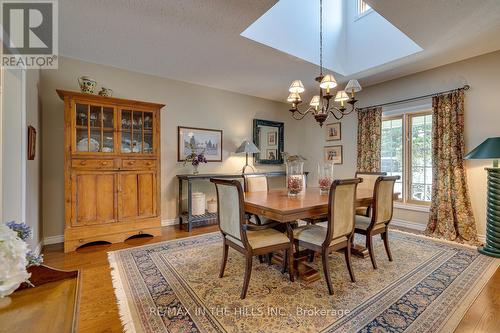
{"points": [[328, 82], [341, 96], [293, 98], [353, 86], [247, 147], [314, 101], [489, 149], [296, 87]]}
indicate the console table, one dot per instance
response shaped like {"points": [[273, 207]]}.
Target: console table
{"points": [[207, 218]]}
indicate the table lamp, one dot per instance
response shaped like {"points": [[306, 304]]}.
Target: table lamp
{"points": [[490, 149], [247, 147]]}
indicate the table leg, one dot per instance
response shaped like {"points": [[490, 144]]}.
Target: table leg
{"points": [[359, 251], [180, 203], [190, 223]]}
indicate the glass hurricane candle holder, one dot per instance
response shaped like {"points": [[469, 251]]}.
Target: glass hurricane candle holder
{"points": [[325, 177], [295, 177]]}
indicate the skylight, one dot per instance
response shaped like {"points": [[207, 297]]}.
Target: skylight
{"points": [[350, 46]]}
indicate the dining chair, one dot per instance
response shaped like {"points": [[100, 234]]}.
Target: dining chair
{"points": [[339, 231], [247, 238], [256, 183], [378, 223], [369, 179]]}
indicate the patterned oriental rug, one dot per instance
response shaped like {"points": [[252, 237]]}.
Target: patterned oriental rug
{"points": [[174, 287]]}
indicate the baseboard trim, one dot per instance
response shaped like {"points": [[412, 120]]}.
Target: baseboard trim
{"points": [[169, 222], [38, 249], [408, 224], [53, 240], [482, 238]]}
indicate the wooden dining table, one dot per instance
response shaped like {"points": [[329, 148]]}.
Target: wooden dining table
{"points": [[275, 204]]}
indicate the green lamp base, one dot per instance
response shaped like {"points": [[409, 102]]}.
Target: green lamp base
{"points": [[492, 246]]}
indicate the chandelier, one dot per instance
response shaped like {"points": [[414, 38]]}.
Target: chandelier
{"points": [[322, 106]]}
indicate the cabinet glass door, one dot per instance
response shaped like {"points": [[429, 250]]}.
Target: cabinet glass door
{"points": [[137, 132], [94, 128]]}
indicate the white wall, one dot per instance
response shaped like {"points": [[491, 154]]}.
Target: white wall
{"points": [[20, 178], [482, 119], [186, 105]]}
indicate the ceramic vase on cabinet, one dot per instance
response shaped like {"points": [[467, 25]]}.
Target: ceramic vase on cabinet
{"points": [[87, 84]]}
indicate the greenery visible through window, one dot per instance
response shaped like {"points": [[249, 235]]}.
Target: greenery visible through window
{"points": [[411, 159], [363, 7]]}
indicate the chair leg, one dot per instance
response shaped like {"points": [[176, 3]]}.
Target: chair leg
{"points": [[385, 238], [310, 257], [290, 263], [285, 258], [224, 259], [326, 271], [261, 258], [347, 253], [246, 279], [369, 246], [269, 258]]}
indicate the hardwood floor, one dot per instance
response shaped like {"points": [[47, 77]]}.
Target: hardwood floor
{"points": [[99, 313]]}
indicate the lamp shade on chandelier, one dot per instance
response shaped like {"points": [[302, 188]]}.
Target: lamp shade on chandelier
{"points": [[322, 105]]}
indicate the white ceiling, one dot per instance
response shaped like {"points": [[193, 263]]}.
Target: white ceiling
{"points": [[199, 41]]}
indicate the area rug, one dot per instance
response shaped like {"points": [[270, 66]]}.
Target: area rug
{"points": [[174, 287]]}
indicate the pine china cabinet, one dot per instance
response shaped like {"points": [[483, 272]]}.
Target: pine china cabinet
{"points": [[112, 168]]}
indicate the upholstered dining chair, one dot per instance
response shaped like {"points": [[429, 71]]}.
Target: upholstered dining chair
{"points": [[256, 183], [378, 223], [247, 238], [339, 230], [369, 179]]}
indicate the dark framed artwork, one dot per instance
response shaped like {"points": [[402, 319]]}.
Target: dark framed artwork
{"points": [[333, 154], [333, 132], [31, 142], [269, 137], [201, 140]]}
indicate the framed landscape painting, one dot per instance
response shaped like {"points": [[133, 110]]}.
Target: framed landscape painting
{"points": [[199, 140], [333, 154], [333, 132]]}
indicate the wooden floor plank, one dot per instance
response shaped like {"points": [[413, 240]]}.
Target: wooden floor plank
{"points": [[99, 312]]}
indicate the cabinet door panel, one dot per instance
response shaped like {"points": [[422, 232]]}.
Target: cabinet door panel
{"points": [[137, 195], [93, 199]]}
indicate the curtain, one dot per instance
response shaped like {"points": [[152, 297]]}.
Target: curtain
{"points": [[369, 141], [451, 212]]}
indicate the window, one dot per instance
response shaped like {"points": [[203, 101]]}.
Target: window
{"points": [[411, 159], [362, 8]]}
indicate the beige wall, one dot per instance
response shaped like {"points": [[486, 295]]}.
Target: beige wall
{"points": [[482, 119], [186, 105]]}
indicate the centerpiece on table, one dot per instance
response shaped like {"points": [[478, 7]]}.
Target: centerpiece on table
{"points": [[295, 178], [195, 159], [15, 257], [325, 177]]}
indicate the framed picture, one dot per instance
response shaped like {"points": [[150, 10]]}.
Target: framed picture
{"points": [[333, 154], [31, 142], [201, 140], [272, 138], [333, 131], [272, 154]]}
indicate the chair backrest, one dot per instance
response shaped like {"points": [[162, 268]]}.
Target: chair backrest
{"points": [[369, 179], [341, 208], [383, 197], [255, 183], [231, 212]]}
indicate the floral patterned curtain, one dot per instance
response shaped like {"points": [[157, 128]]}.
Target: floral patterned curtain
{"points": [[369, 141], [451, 212]]}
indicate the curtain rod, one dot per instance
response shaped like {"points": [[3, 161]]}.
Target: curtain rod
{"points": [[465, 87]]}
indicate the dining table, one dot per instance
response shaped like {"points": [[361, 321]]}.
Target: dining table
{"points": [[277, 205]]}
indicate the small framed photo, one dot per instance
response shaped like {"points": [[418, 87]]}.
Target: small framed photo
{"points": [[333, 131], [272, 154], [31, 142], [333, 154], [201, 140], [272, 138]]}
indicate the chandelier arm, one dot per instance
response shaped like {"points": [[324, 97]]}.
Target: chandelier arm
{"points": [[301, 114]]}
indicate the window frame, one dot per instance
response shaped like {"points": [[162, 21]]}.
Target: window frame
{"points": [[406, 118], [359, 14]]}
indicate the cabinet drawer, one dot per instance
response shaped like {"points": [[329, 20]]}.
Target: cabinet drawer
{"points": [[129, 164], [92, 164]]}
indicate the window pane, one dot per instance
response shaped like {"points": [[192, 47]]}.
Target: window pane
{"points": [[421, 157], [392, 150]]}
